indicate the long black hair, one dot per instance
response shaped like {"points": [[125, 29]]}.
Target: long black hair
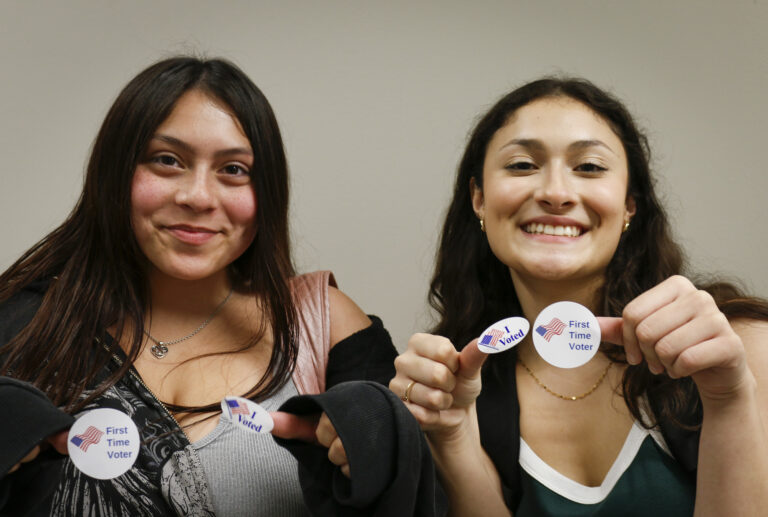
{"points": [[471, 288], [96, 270]]}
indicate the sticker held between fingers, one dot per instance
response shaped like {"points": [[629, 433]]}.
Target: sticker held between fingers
{"points": [[503, 335], [103, 443], [566, 334]]}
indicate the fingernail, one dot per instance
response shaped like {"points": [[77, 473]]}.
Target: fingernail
{"points": [[656, 370]]}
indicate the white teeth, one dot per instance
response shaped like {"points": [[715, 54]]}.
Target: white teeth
{"points": [[548, 229]]}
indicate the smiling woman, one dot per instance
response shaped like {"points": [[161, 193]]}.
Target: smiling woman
{"points": [[669, 418], [169, 287]]}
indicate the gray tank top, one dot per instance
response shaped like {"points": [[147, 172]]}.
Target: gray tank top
{"points": [[249, 474]]}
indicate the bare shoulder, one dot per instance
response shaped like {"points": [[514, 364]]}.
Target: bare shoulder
{"points": [[754, 335], [346, 317]]}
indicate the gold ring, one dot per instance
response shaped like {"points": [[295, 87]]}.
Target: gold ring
{"points": [[406, 396]]}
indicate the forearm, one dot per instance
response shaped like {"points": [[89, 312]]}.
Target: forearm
{"points": [[467, 473], [732, 476]]}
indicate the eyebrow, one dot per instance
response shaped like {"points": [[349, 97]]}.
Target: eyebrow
{"points": [[188, 148], [534, 143]]}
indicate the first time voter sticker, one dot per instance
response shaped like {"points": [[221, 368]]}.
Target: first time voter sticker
{"points": [[566, 334], [103, 443]]}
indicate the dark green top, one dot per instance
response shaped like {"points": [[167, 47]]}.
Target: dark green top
{"points": [[643, 481]]}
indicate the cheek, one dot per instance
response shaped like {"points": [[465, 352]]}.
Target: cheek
{"points": [[504, 199], [147, 194], [242, 210]]}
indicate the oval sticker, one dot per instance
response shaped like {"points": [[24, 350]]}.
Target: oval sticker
{"points": [[503, 335]]}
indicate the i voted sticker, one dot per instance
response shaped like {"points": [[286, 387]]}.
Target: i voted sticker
{"points": [[566, 334], [246, 415], [103, 443], [503, 335]]}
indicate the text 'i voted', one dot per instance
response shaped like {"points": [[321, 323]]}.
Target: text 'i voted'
{"points": [[246, 415], [503, 335]]}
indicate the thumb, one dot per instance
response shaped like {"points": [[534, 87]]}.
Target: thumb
{"points": [[294, 427], [471, 359], [610, 330], [59, 441]]}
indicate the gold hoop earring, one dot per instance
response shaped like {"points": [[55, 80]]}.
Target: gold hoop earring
{"points": [[482, 225], [626, 226]]}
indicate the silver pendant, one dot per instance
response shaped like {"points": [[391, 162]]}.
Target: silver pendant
{"points": [[159, 350]]}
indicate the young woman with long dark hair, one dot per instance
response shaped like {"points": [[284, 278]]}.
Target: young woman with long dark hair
{"points": [[553, 201], [170, 286]]}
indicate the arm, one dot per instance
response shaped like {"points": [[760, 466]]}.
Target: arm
{"points": [[350, 328], [733, 452], [679, 330], [442, 399]]}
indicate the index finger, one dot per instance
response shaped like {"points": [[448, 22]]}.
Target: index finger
{"points": [[294, 427]]}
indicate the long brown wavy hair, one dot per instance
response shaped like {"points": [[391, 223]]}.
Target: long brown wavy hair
{"points": [[471, 288], [92, 262]]}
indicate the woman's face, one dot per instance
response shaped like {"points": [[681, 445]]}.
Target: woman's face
{"points": [[554, 197], [193, 207]]}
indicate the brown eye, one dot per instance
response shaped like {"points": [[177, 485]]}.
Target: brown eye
{"points": [[520, 166], [590, 167], [235, 170], [166, 159]]}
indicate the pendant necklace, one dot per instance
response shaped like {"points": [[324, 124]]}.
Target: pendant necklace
{"points": [[160, 348]]}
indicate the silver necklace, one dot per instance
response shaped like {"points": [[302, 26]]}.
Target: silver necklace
{"points": [[160, 348]]}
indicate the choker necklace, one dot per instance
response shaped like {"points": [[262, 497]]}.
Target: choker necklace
{"points": [[160, 348], [567, 397]]}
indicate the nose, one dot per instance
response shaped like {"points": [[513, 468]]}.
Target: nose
{"points": [[196, 191], [555, 191]]}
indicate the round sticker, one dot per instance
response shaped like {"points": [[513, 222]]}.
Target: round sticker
{"points": [[103, 443], [566, 334], [503, 335], [246, 415]]}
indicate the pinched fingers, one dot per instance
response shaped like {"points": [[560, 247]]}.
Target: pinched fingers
{"points": [[327, 437], [29, 457], [651, 316]]}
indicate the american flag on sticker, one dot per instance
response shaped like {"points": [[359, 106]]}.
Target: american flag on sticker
{"points": [[553, 328], [236, 408], [91, 436], [491, 338]]}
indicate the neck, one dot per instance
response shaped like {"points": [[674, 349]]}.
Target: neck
{"points": [[535, 295], [169, 295]]}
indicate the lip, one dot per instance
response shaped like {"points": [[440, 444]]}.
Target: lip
{"points": [[189, 234]]}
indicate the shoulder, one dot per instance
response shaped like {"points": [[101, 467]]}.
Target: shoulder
{"points": [[318, 291], [754, 336], [346, 317]]}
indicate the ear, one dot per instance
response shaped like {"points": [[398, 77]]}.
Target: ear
{"points": [[478, 201], [630, 207]]}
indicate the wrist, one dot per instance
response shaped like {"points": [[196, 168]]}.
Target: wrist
{"points": [[741, 393]]}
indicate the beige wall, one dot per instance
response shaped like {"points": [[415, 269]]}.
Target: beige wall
{"points": [[375, 100]]}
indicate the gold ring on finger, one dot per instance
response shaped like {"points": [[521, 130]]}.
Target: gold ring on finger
{"points": [[407, 394]]}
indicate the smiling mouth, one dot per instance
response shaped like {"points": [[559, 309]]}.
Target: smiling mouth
{"points": [[549, 229]]}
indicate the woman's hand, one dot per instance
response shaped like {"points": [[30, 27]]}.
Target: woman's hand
{"points": [[678, 328], [445, 382], [58, 441], [312, 430]]}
